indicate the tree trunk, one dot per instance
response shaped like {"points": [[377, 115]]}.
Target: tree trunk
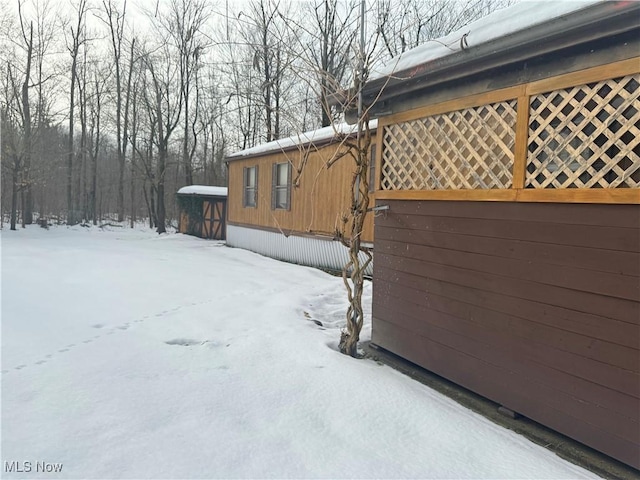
{"points": [[160, 212], [81, 184], [154, 214], [27, 199], [353, 272], [132, 220], [14, 195], [28, 203], [92, 192], [120, 203], [94, 158], [125, 135], [120, 197], [70, 215], [160, 208], [146, 202], [186, 159]]}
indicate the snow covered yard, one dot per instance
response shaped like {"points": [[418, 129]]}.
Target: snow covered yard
{"points": [[131, 355]]}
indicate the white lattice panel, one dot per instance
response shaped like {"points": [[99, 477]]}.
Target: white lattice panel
{"points": [[586, 136], [465, 149]]}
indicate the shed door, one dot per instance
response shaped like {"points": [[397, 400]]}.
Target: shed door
{"points": [[214, 214]]}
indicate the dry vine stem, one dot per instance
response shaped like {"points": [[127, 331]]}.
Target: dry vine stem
{"points": [[353, 271]]}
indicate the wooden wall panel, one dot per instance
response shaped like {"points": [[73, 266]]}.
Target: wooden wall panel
{"points": [[534, 306], [513, 390], [316, 204]]}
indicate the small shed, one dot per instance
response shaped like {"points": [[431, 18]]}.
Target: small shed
{"points": [[508, 259], [203, 211]]}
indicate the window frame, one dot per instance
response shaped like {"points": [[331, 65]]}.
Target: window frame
{"points": [[247, 189], [277, 187]]}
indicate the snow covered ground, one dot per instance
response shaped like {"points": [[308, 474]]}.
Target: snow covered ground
{"points": [[131, 355]]}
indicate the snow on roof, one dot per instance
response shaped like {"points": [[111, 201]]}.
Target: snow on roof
{"points": [[203, 190], [322, 134], [498, 24]]}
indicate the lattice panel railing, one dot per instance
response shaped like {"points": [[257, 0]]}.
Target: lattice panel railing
{"points": [[465, 149], [586, 136]]}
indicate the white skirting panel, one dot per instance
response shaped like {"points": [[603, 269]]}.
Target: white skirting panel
{"points": [[308, 251]]}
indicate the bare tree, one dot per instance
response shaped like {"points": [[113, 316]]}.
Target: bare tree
{"points": [[12, 138], [115, 21], [184, 22], [165, 113], [17, 120], [46, 28], [100, 78], [73, 45], [331, 47], [213, 133], [26, 122], [246, 102], [269, 39], [22, 162]]}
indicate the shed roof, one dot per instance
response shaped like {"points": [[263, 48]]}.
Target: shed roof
{"points": [[315, 137], [204, 190]]}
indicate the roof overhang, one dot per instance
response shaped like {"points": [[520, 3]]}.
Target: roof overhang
{"points": [[598, 21], [304, 142]]}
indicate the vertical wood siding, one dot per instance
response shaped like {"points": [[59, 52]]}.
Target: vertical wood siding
{"points": [[316, 204], [535, 306]]}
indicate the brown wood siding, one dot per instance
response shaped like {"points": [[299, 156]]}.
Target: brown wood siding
{"points": [[535, 306], [316, 204]]}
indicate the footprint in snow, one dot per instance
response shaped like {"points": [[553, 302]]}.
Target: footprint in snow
{"points": [[124, 327], [41, 362], [63, 350], [185, 342], [87, 341], [19, 367], [98, 325]]}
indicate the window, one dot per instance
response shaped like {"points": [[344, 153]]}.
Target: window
{"points": [[372, 169], [250, 182], [281, 187]]}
